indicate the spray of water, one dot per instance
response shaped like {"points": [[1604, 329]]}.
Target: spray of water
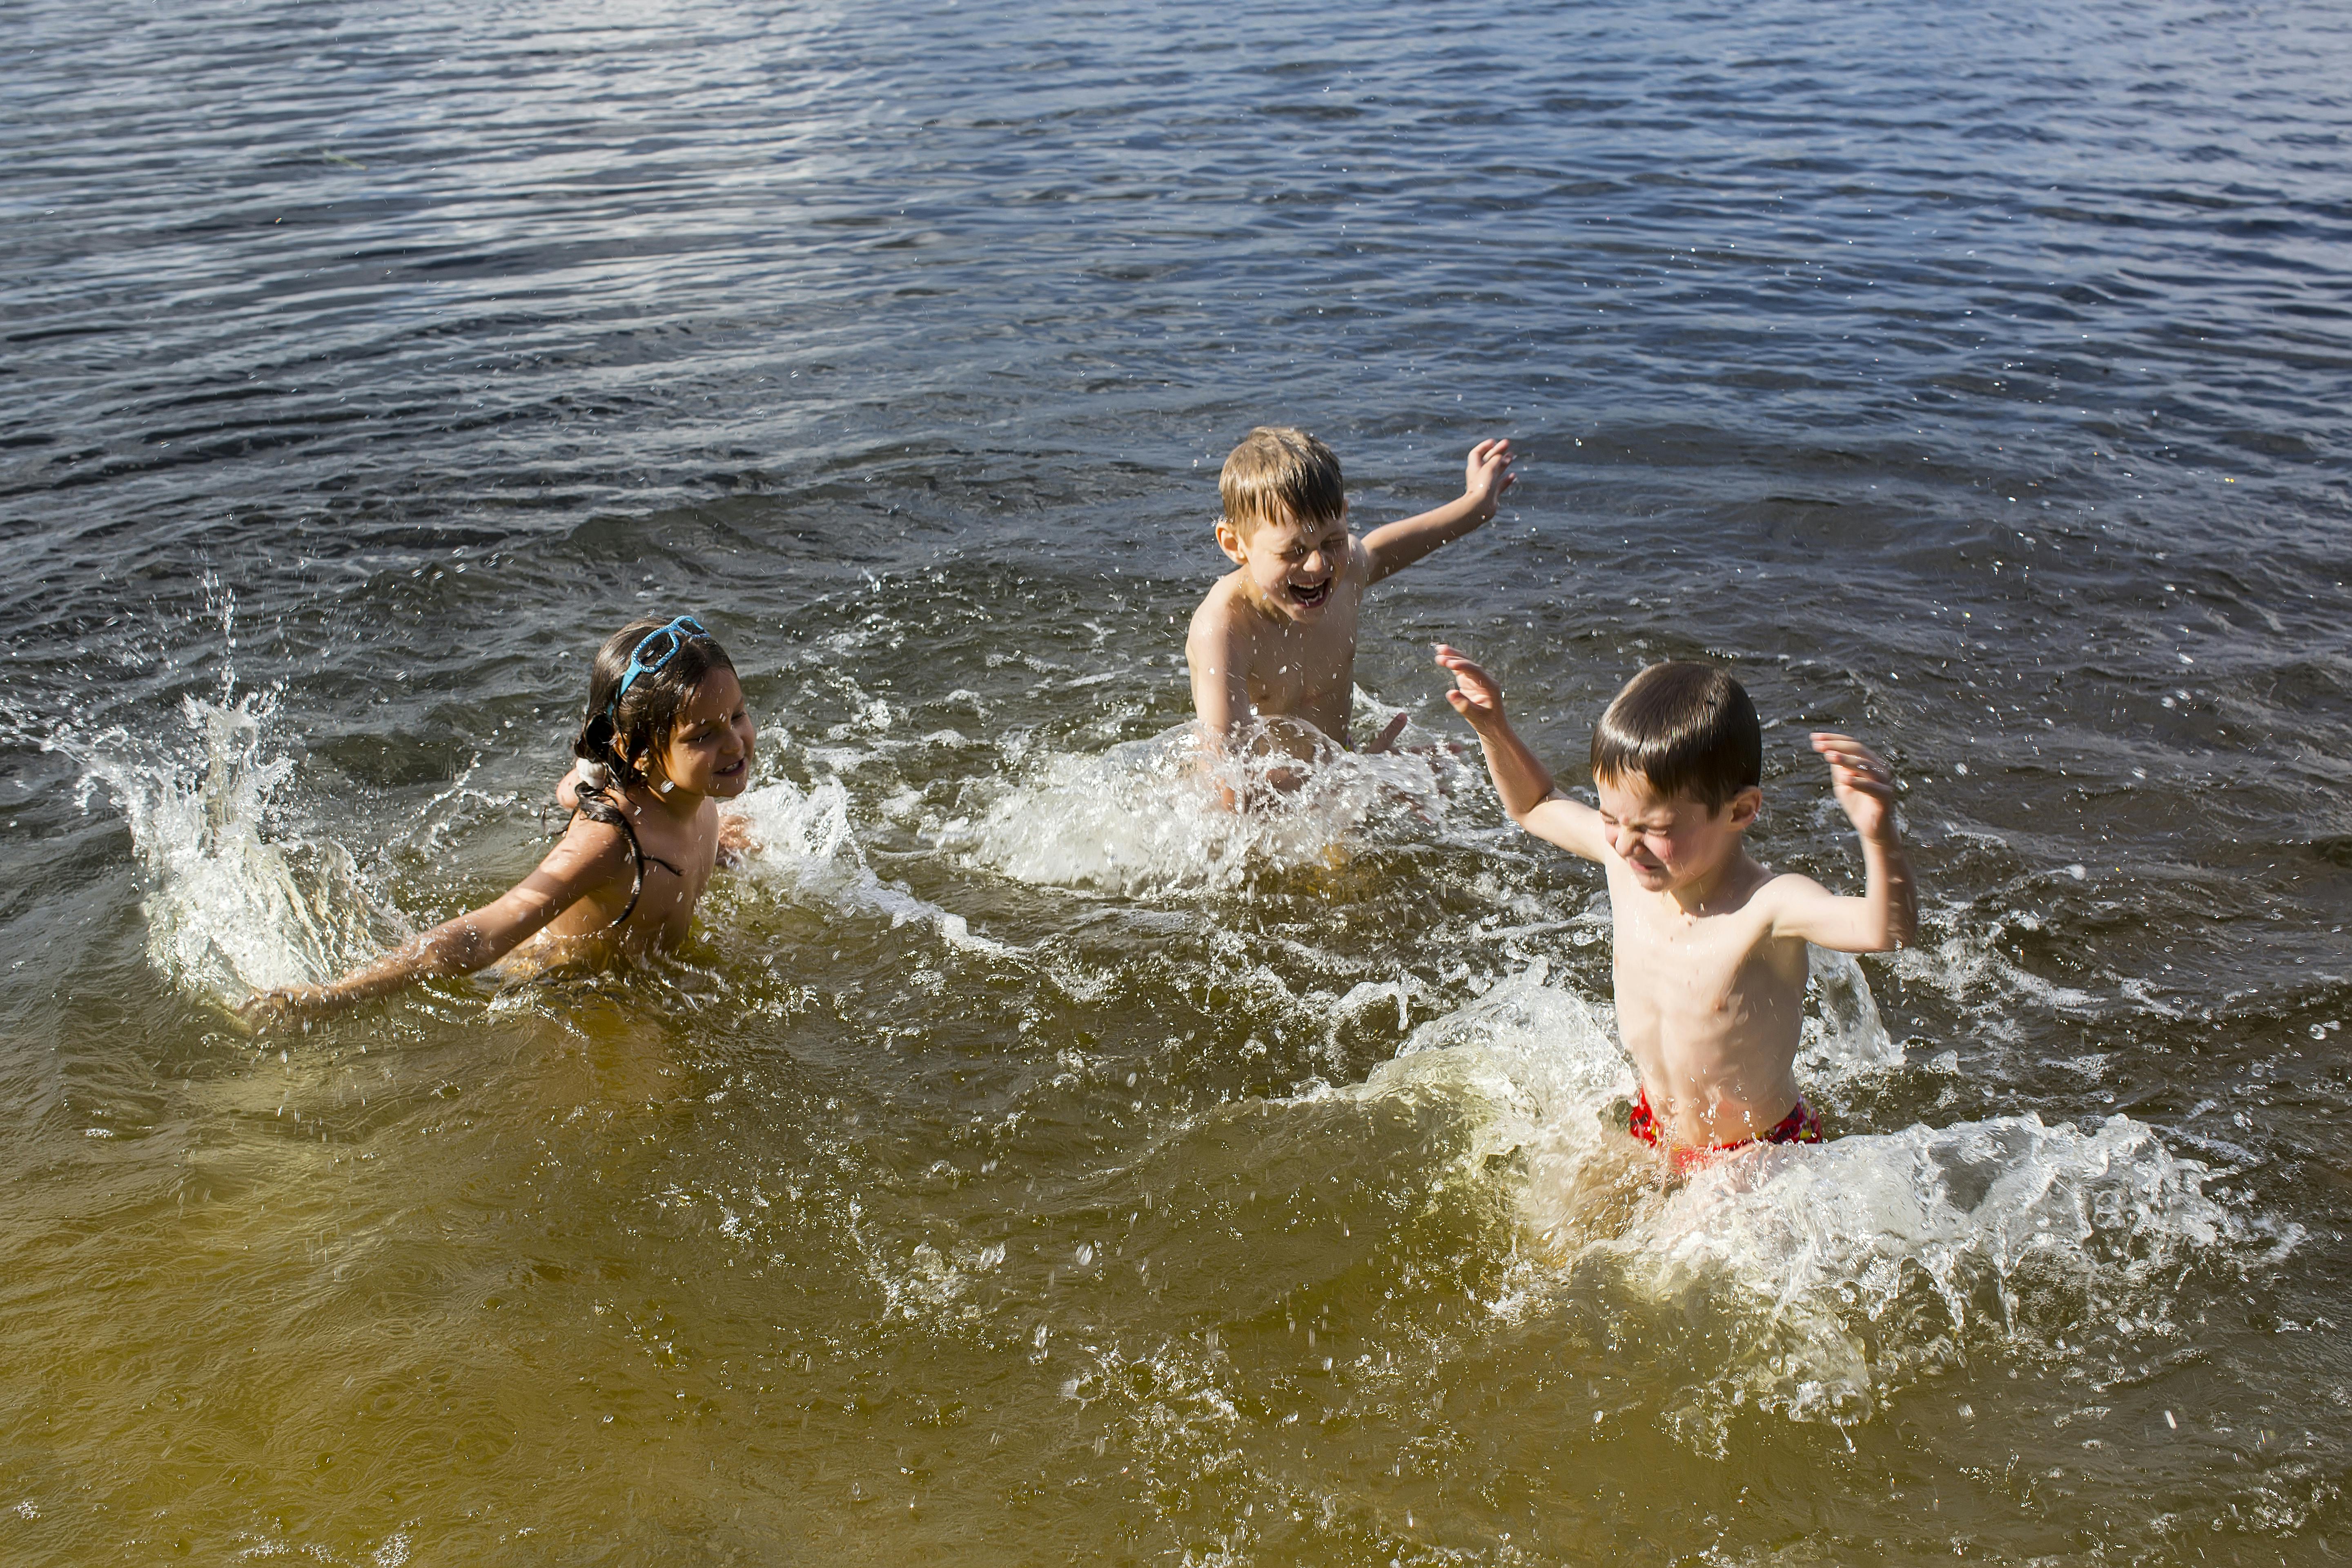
{"points": [[1844, 1035], [1163, 815], [1817, 1281], [235, 899], [1834, 1275], [804, 848]]}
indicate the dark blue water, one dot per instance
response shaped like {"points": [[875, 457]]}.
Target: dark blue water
{"points": [[1978, 379]]}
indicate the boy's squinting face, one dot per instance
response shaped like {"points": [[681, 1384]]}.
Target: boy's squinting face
{"points": [[1292, 567], [1672, 841], [709, 752]]}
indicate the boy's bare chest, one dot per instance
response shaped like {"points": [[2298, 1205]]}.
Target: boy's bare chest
{"points": [[1294, 666], [1672, 961]]}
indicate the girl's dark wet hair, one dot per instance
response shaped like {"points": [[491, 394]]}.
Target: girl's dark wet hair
{"points": [[1688, 728], [611, 733]]}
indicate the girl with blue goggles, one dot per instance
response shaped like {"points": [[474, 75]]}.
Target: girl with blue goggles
{"points": [[666, 738]]}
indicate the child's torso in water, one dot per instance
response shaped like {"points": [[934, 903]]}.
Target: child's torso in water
{"points": [[680, 851], [1294, 670], [1710, 1006]]}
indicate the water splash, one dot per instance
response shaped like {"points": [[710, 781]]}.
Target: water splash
{"points": [[1156, 816], [233, 902], [1845, 1036], [1834, 1274], [805, 849], [1820, 1279]]}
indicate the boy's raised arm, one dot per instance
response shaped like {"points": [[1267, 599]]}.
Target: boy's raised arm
{"points": [[1529, 796], [1484, 478], [1886, 916]]}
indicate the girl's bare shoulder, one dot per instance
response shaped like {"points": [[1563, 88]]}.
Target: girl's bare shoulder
{"points": [[588, 845]]}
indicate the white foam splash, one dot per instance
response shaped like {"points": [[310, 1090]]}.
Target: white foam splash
{"points": [[1842, 1268], [231, 907], [927, 1283], [1820, 1277], [1966, 964], [804, 848], [1151, 816], [1543, 1053], [1846, 1036]]}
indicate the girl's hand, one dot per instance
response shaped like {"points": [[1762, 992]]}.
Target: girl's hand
{"points": [[1487, 475], [736, 843], [282, 1006], [1862, 782], [1387, 739], [1476, 696]]}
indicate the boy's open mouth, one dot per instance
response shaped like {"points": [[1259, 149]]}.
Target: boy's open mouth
{"points": [[1310, 596]]}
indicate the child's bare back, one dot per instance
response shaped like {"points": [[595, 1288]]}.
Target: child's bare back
{"points": [[1709, 946], [1275, 638]]}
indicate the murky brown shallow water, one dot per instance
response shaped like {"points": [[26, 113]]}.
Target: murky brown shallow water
{"points": [[1022, 1167]]}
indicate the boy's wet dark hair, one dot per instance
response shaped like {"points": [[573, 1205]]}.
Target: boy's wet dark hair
{"points": [[1688, 728], [611, 733], [1278, 472]]}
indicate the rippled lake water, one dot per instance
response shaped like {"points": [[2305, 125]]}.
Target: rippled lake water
{"points": [[1020, 1167]]}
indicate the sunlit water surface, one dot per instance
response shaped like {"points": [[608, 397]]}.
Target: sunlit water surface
{"points": [[1023, 1165]]}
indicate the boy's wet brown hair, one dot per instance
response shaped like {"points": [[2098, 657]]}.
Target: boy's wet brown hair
{"points": [[1688, 728], [1280, 472]]}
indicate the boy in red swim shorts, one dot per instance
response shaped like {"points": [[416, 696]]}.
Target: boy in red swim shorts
{"points": [[1709, 946]]}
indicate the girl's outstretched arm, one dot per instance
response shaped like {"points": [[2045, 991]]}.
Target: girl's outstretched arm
{"points": [[590, 855]]}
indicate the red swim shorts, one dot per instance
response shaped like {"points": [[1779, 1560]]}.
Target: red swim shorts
{"points": [[1801, 1125]]}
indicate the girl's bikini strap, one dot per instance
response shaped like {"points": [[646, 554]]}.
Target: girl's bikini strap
{"points": [[620, 819]]}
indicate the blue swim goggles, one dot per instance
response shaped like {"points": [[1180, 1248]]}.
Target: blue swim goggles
{"points": [[659, 646]]}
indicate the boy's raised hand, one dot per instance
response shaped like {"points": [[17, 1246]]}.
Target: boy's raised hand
{"points": [[1397, 545], [1528, 796], [1487, 475], [1862, 782], [1476, 694]]}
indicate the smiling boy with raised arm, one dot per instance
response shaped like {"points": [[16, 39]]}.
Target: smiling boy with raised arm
{"points": [[1709, 946], [1277, 636]]}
